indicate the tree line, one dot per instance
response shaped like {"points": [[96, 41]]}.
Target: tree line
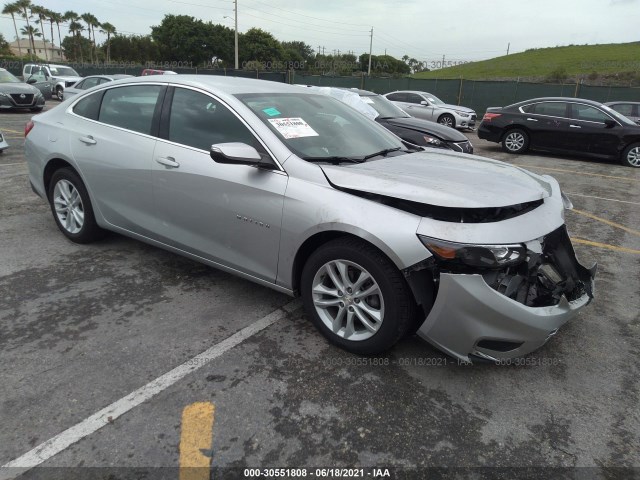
{"points": [[183, 40]]}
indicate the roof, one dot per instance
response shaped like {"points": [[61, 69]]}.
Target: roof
{"points": [[117, 76], [230, 85], [557, 99]]}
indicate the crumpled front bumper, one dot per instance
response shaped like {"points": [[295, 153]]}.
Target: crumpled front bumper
{"points": [[467, 311]]}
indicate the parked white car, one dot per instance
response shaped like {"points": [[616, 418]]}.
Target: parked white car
{"points": [[429, 107], [90, 82]]}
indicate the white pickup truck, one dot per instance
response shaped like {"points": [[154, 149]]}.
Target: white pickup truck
{"points": [[58, 76]]}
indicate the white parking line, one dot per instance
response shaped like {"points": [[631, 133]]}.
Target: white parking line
{"points": [[9, 164], [602, 198], [64, 439]]}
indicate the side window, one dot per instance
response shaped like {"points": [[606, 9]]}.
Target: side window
{"points": [[88, 83], [103, 80], [79, 85], [414, 98], [397, 97], [588, 113], [553, 109], [624, 108], [130, 107], [89, 106], [39, 74], [528, 108], [199, 121]]}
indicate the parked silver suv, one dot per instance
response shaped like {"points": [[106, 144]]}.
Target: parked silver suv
{"points": [[301, 193], [429, 107]]}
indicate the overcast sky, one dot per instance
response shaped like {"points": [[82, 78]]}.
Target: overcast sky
{"points": [[424, 29]]}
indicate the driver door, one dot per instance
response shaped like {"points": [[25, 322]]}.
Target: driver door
{"points": [[40, 79], [229, 214]]}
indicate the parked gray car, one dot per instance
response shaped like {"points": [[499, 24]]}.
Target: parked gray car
{"points": [[301, 193], [15, 94], [631, 110], [90, 82], [429, 107]]}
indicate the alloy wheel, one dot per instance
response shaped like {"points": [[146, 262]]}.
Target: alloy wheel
{"points": [[447, 121], [348, 300], [514, 141], [633, 157], [68, 206]]}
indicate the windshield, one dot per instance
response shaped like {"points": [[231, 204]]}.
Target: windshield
{"points": [[317, 127], [7, 77], [384, 107], [433, 99], [618, 116], [63, 72]]}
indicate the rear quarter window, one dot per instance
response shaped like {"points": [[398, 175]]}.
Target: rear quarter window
{"points": [[89, 106]]}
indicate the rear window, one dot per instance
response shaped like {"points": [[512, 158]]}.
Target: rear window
{"points": [[130, 107], [552, 109], [397, 97], [89, 106]]}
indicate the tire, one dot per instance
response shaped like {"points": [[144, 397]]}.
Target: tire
{"points": [[631, 156], [515, 141], [78, 224], [447, 120], [36, 109], [60, 93], [393, 304]]}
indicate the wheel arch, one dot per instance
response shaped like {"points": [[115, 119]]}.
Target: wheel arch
{"points": [[51, 167], [515, 126]]}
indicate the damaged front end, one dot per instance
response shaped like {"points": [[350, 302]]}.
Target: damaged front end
{"points": [[499, 301]]}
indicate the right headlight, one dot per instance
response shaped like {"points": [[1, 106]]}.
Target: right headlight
{"points": [[480, 256], [432, 140]]}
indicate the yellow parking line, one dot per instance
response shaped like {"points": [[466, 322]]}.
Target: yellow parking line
{"points": [[2, 129], [533, 167], [196, 435], [604, 245], [607, 222]]}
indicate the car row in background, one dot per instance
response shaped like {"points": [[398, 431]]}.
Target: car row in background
{"points": [[410, 129], [429, 107], [59, 77], [564, 125], [89, 82], [15, 94]]}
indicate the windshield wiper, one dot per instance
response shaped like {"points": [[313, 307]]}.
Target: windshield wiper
{"points": [[335, 160], [384, 152]]}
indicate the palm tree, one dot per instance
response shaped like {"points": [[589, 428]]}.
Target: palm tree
{"points": [[31, 33], [71, 17], [75, 29], [23, 5], [48, 13], [88, 18], [57, 18], [109, 30], [41, 13], [94, 24], [12, 9]]}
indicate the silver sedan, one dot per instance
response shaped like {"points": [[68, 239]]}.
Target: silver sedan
{"points": [[90, 82], [301, 193], [427, 106]]}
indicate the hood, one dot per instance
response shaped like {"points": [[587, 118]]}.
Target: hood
{"points": [[430, 128], [443, 179], [19, 87], [457, 108]]}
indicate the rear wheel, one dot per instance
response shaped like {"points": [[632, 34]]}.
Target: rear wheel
{"points": [[357, 297], [71, 207], [631, 156], [447, 120], [515, 141]]}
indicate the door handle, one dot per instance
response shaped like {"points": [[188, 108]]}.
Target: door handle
{"points": [[531, 120], [89, 140], [575, 126], [167, 162]]}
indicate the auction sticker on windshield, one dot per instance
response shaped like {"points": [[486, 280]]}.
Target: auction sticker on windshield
{"points": [[293, 127]]}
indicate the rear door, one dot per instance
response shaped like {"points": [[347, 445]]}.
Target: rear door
{"points": [[548, 124], [230, 214], [112, 136]]}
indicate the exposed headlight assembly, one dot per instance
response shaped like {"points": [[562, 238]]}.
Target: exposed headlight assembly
{"points": [[463, 115], [480, 256], [432, 140]]}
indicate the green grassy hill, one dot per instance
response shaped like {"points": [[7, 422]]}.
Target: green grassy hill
{"points": [[591, 61]]}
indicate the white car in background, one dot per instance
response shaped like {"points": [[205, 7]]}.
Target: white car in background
{"points": [[429, 107], [91, 81]]}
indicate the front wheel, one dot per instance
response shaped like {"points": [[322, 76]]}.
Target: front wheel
{"points": [[71, 207], [515, 141], [631, 156], [357, 297], [60, 93], [447, 120]]}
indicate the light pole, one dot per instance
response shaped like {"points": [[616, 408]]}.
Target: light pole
{"points": [[235, 31]]}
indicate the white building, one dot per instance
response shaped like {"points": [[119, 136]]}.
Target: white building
{"points": [[54, 53]]}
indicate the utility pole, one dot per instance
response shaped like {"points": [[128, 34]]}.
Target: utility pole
{"points": [[319, 50], [508, 47], [370, 52], [236, 35], [443, 60]]}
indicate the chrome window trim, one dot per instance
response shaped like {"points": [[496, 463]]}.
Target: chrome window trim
{"points": [[566, 118]]}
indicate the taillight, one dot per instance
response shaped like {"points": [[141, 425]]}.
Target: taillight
{"points": [[490, 116], [27, 128]]}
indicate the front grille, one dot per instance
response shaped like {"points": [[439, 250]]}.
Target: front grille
{"points": [[543, 279], [473, 118], [22, 98]]}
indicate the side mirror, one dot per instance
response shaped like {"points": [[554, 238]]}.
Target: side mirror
{"points": [[609, 123], [31, 81], [425, 103], [238, 154]]}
